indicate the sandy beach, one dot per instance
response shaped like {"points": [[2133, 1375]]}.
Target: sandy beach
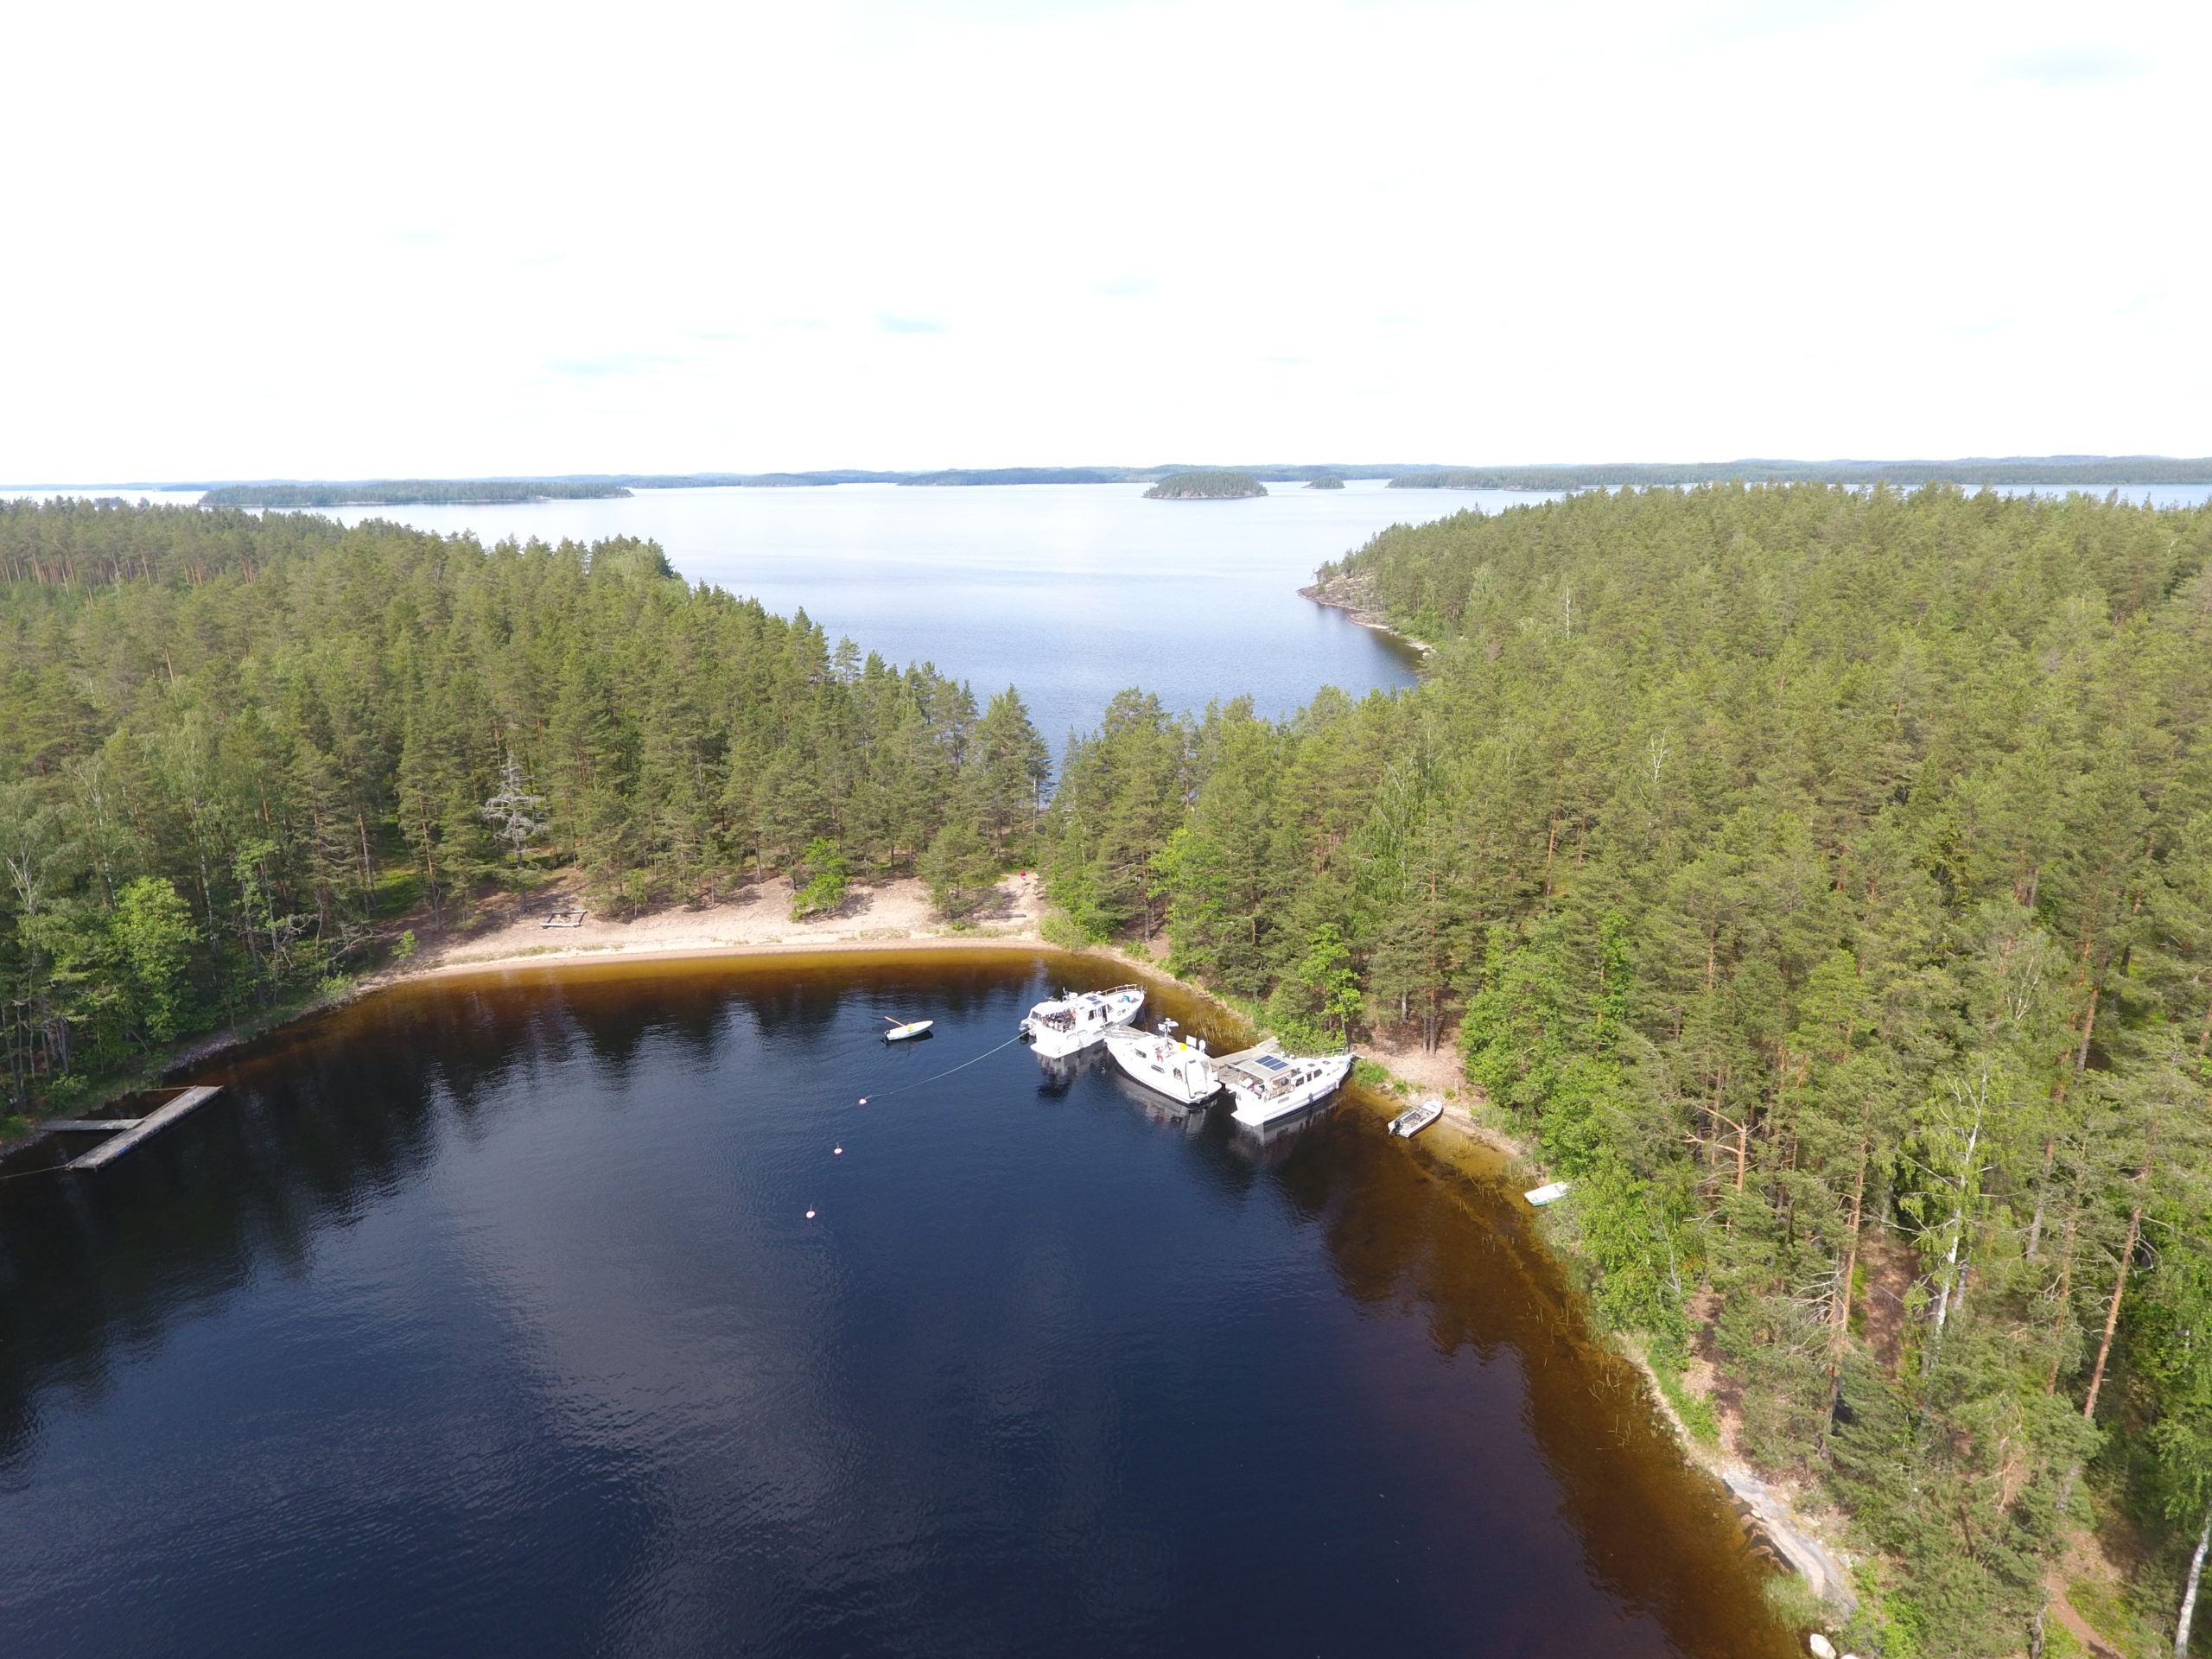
{"points": [[891, 915]]}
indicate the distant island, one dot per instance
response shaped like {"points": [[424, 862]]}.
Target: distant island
{"points": [[2060, 471], [407, 492], [1211, 485], [2053, 471]]}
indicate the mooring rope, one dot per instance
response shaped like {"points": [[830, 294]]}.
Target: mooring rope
{"points": [[920, 1083]]}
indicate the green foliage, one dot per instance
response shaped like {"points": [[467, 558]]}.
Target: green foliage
{"points": [[154, 931], [825, 881], [1317, 998], [1695, 1411], [961, 870], [1794, 1602], [1055, 928], [1122, 792]]}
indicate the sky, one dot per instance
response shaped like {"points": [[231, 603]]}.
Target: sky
{"points": [[250, 241]]}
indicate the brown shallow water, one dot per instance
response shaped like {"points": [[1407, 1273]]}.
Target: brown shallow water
{"points": [[486, 1317]]}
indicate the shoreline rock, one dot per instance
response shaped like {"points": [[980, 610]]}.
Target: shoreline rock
{"points": [[1351, 596]]}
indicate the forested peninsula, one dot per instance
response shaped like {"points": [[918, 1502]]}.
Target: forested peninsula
{"points": [[1822, 880], [244, 756], [2054, 472], [408, 492]]}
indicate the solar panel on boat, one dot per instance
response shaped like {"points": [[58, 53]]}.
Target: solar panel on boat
{"points": [[1272, 1063]]}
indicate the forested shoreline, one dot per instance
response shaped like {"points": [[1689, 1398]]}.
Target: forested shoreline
{"points": [[238, 751], [1823, 881], [408, 492]]}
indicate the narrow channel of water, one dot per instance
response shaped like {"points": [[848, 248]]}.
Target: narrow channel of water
{"points": [[486, 1316]]}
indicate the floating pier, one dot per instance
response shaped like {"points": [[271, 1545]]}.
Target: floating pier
{"points": [[130, 1131]]}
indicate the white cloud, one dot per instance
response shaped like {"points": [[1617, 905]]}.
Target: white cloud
{"points": [[250, 241], [2073, 67]]}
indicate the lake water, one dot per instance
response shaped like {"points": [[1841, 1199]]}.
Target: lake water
{"points": [[486, 1318], [1069, 592]]}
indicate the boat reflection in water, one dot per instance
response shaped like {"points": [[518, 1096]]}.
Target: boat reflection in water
{"points": [[1155, 1107], [1271, 1142], [1058, 1072]]}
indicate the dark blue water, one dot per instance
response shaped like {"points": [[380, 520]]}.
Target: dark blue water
{"points": [[486, 1318]]}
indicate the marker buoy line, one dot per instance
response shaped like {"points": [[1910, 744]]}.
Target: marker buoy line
{"points": [[923, 1082]]}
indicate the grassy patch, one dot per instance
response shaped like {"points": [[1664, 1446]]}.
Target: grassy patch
{"points": [[1695, 1411], [2104, 1606], [1055, 928], [1794, 1602]]}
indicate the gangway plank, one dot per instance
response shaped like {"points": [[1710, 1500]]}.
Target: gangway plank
{"points": [[137, 1130]]}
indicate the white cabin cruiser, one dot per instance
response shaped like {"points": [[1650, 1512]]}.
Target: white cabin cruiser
{"points": [[1161, 1061], [1069, 1024], [1268, 1084]]}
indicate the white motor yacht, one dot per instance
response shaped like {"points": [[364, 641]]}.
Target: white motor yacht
{"points": [[1161, 1061], [1069, 1024], [1267, 1085]]}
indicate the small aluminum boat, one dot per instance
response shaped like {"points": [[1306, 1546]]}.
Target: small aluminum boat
{"points": [[912, 1028], [1412, 1120], [1552, 1194]]}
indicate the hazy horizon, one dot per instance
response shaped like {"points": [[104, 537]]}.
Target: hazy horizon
{"points": [[706, 477]]}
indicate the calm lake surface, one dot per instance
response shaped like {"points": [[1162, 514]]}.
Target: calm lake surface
{"points": [[1069, 592], [484, 1316]]}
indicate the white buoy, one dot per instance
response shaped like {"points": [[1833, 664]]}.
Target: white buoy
{"points": [[836, 1152], [863, 1100], [809, 1215]]}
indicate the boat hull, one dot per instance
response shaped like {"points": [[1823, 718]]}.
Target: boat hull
{"points": [[1409, 1123], [1069, 1025], [1163, 1065], [1322, 1079]]}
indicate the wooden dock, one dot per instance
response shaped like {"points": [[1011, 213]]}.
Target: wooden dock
{"points": [[130, 1131]]}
